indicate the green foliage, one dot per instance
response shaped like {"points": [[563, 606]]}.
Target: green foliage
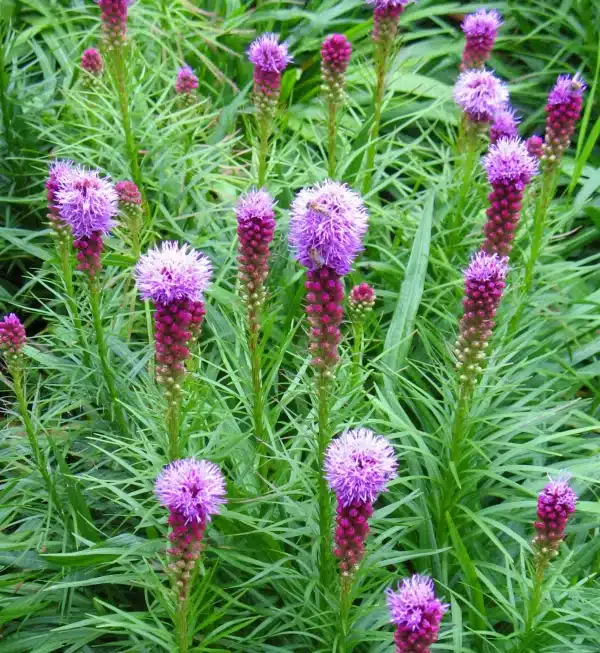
{"points": [[87, 575]]}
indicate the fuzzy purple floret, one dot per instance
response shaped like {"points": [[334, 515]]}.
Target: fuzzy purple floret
{"points": [[327, 226], [504, 125], [482, 24], [480, 94], [414, 598], [256, 206], [268, 54], [186, 81], [566, 89], [172, 272], [359, 465], [192, 488], [558, 495], [486, 267], [389, 4], [509, 161], [86, 201]]}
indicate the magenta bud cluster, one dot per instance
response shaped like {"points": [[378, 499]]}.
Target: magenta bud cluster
{"points": [[336, 51], [480, 30], [186, 84], [565, 102], [351, 531], [129, 195], [361, 300], [89, 250], [484, 286], [510, 169], [386, 15], [535, 146], [91, 62], [556, 503], [417, 613], [12, 337], [256, 225], [114, 22]]}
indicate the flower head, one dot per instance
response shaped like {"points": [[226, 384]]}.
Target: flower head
{"points": [[535, 145], [486, 268], [59, 172], [557, 497], [255, 207], [192, 488], [566, 89], [128, 193], [482, 24], [480, 94], [414, 607], [359, 465], [186, 80], [328, 223], [172, 272], [12, 334], [87, 202], [267, 54], [504, 125], [91, 61], [508, 161], [389, 4], [335, 53]]}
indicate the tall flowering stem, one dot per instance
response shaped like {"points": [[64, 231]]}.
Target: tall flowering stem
{"points": [[327, 227], [270, 59], [480, 30], [360, 303], [88, 203], [174, 277], [130, 206], [256, 225], [480, 95], [335, 57], [12, 340], [386, 15], [563, 109], [509, 168], [192, 491], [417, 613], [358, 467], [114, 41]]}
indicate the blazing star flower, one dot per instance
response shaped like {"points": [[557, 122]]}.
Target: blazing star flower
{"points": [[186, 84], [417, 613], [57, 176], [172, 272], [91, 62], [484, 285], [480, 29], [358, 467], [12, 337], [480, 94], [565, 103], [327, 226], [386, 15], [335, 57], [114, 22], [192, 490], [556, 503], [510, 168], [361, 300], [270, 59], [535, 146], [504, 125]]}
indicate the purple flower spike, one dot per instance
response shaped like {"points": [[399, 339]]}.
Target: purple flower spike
{"points": [[563, 110], [484, 286], [192, 490], [186, 84], [327, 226], [417, 613], [556, 503], [12, 337], [270, 59], [535, 146], [510, 168], [335, 57], [91, 62], [386, 15], [480, 94], [361, 300], [481, 30], [114, 22], [358, 467], [504, 125], [58, 175]]}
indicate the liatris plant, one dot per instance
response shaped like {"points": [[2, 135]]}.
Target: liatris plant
{"points": [[327, 227], [270, 59], [174, 277], [92, 65], [505, 124], [186, 84], [192, 491], [481, 30], [386, 15], [417, 613], [535, 146], [12, 339], [114, 22], [509, 168], [256, 225], [335, 57], [130, 205], [563, 109], [358, 467], [88, 203], [480, 95], [556, 503], [360, 303]]}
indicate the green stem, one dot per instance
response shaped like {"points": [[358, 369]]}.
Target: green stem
{"points": [[357, 348], [263, 151], [332, 129], [4, 105], [38, 454], [255, 363], [181, 626], [324, 500], [172, 418], [536, 597], [94, 294], [468, 165], [382, 59], [345, 605]]}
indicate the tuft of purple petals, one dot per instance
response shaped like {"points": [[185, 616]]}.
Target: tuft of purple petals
{"points": [[186, 81], [268, 54], [509, 161], [504, 125], [481, 30], [327, 226], [480, 94], [556, 503]]}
